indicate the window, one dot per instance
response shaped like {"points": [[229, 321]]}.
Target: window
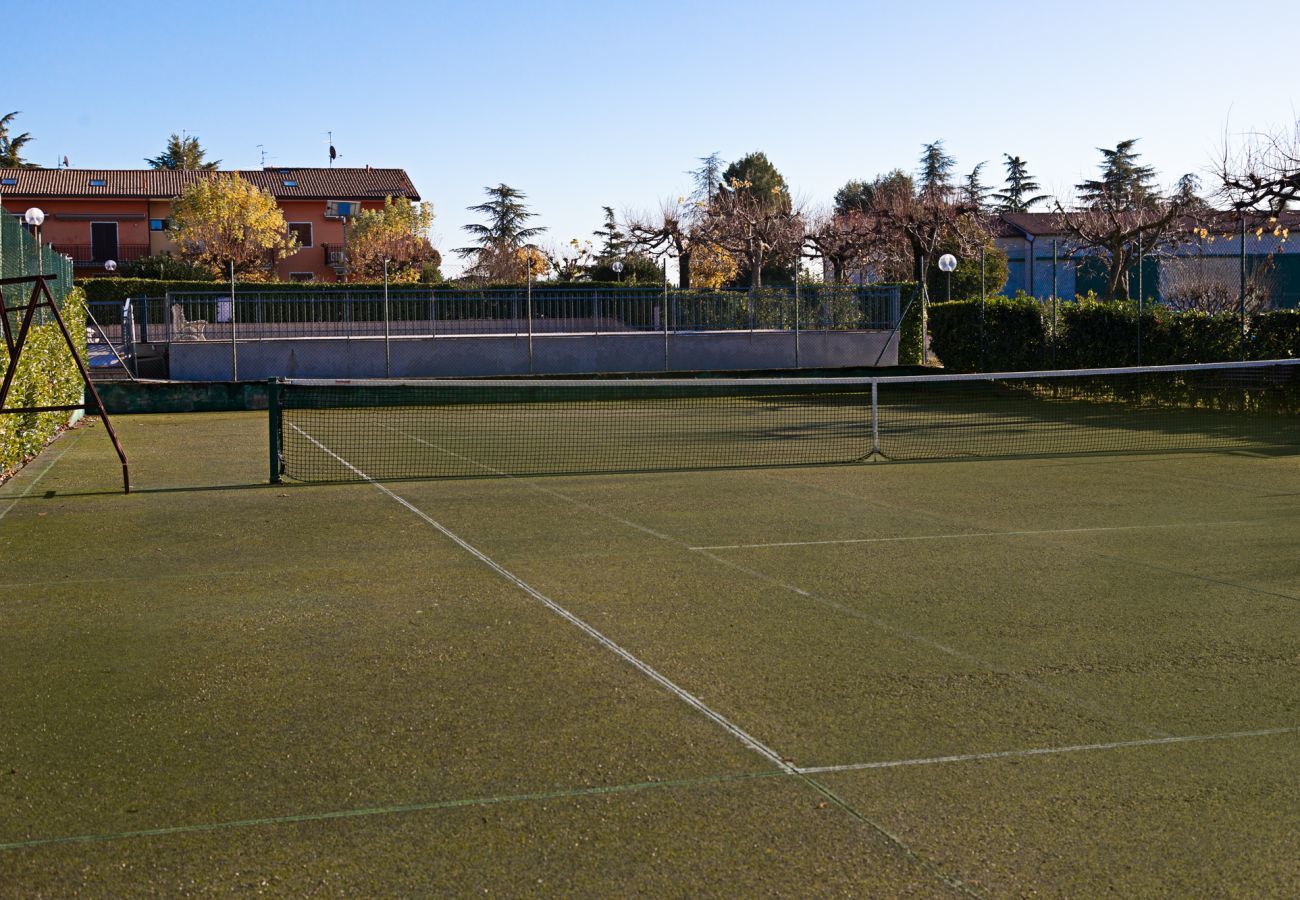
{"points": [[302, 231], [302, 276], [96, 182], [8, 180], [289, 183], [159, 224]]}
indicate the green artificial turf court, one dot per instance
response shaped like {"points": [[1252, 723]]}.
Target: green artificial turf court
{"points": [[1038, 675]]}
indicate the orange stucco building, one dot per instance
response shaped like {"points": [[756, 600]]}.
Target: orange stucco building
{"points": [[96, 215]]}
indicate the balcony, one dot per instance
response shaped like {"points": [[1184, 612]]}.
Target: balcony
{"points": [[84, 255]]}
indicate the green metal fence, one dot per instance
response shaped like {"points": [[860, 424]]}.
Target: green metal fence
{"points": [[21, 256]]}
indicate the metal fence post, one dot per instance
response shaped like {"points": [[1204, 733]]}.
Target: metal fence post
{"points": [[1140, 299], [983, 299], [273, 426], [1054, 302], [234, 317], [1241, 296], [667, 313], [796, 321], [529, 309], [388, 353]]}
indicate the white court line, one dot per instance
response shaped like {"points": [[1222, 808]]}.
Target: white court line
{"points": [[645, 668], [1044, 751], [978, 534], [50, 465], [853, 612]]}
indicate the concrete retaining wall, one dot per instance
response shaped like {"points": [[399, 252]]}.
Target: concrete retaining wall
{"points": [[551, 354]]}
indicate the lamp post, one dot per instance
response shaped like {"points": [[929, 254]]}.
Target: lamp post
{"points": [[947, 263], [35, 217], [618, 270]]}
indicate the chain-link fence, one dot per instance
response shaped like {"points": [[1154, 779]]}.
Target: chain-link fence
{"points": [[355, 333], [22, 256]]}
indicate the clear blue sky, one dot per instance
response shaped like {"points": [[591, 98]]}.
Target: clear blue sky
{"points": [[609, 103]]}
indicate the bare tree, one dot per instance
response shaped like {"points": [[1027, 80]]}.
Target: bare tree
{"points": [[1261, 171], [753, 227], [671, 230], [1122, 212]]}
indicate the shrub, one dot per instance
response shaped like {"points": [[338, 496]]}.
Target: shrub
{"points": [[966, 277], [1276, 334], [1014, 334], [46, 376], [911, 340]]}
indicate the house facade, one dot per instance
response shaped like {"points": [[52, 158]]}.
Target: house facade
{"points": [[97, 215]]}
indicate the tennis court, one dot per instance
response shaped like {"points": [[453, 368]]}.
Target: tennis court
{"points": [[1040, 673]]}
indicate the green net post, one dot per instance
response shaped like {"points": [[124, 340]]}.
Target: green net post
{"points": [[275, 425]]}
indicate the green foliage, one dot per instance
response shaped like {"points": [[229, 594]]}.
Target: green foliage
{"points": [[46, 376], [1276, 334], [911, 345], [1124, 183], [1019, 194], [182, 153], [1094, 334], [637, 269], [11, 146], [1014, 336], [165, 266], [755, 176], [935, 170], [505, 230], [966, 277]]}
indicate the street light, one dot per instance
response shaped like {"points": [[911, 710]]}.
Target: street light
{"points": [[110, 266], [947, 263], [35, 217], [618, 269]]}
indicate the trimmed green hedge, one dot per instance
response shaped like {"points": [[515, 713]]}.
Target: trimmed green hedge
{"points": [[911, 347], [46, 376], [1015, 336], [1094, 334], [1276, 335]]}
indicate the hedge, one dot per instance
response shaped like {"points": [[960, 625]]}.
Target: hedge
{"points": [[911, 347], [1014, 335], [46, 376], [1094, 334], [1276, 335]]}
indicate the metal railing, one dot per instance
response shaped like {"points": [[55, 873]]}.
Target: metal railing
{"points": [[407, 312], [85, 255]]}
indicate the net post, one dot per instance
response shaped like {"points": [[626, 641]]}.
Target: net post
{"points": [[875, 417], [274, 426]]}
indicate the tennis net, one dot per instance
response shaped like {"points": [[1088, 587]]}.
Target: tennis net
{"points": [[357, 430]]}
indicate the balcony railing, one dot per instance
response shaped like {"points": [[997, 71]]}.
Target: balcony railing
{"points": [[333, 255], [85, 255]]}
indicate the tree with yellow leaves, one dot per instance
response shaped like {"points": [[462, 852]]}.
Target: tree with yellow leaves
{"points": [[398, 233], [225, 219]]}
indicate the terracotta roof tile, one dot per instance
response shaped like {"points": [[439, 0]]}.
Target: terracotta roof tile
{"points": [[163, 184]]}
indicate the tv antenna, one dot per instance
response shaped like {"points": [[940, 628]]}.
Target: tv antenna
{"points": [[333, 153], [262, 149]]}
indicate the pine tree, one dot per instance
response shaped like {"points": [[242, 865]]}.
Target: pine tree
{"points": [[707, 178], [936, 170], [1124, 184], [182, 153], [11, 147], [615, 241], [505, 230], [974, 192], [1018, 196]]}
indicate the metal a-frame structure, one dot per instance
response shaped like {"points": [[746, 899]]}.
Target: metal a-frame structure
{"points": [[41, 297]]}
